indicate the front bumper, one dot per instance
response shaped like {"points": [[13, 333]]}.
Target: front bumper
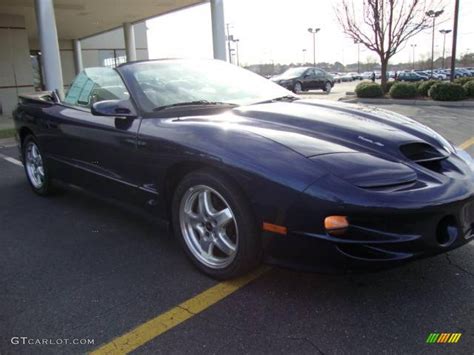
{"points": [[376, 241]]}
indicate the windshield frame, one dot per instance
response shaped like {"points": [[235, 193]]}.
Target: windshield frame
{"points": [[128, 73]]}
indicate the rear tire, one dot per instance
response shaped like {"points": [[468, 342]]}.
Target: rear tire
{"points": [[215, 225], [35, 168], [327, 87]]}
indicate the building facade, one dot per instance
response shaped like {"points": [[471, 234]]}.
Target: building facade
{"points": [[21, 68]]}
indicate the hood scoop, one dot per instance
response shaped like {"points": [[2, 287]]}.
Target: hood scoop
{"points": [[422, 152]]}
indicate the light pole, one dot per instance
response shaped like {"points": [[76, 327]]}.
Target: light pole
{"points": [[313, 31], [413, 46], [358, 55], [455, 39], [304, 55], [444, 32], [433, 15], [237, 50], [229, 39]]}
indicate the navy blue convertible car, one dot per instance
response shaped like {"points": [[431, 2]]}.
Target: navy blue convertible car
{"points": [[247, 171]]}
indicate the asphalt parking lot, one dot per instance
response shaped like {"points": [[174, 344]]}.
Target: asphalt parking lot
{"points": [[73, 267]]}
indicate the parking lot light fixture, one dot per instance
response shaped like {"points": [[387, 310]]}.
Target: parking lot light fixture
{"points": [[433, 15], [444, 32], [313, 31], [413, 46]]}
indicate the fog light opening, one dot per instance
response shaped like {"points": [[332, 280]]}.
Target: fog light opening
{"points": [[447, 231]]}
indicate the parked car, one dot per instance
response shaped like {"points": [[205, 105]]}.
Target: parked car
{"points": [[304, 79], [411, 76], [245, 170], [427, 73], [347, 77], [355, 76], [465, 72], [440, 75], [336, 77], [367, 75], [457, 73]]}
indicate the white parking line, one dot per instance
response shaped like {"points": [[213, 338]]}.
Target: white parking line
{"points": [[11, 160]]}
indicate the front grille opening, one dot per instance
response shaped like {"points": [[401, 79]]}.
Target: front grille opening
{"points": [[447, 231]]}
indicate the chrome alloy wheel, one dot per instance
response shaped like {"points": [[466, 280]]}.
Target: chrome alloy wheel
{"points": [[208, 226], [34, 165]]}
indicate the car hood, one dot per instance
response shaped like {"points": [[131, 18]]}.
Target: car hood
{"points": [[366, 146], [280, 78], [312, 127]]}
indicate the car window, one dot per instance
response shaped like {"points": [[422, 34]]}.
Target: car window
{"points": [[94, 85], [318, 73], [309, 73]]}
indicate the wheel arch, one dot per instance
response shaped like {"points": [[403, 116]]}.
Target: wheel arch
{"points": [[23, 133], [178, 171]]}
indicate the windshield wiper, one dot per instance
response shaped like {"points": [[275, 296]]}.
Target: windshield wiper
{"points": [[194, 103], [286, 98]]}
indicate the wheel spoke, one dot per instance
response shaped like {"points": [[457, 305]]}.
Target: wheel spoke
{"points": [[223, 242], [34, 152], [40, 171], [207, 245], [192, 217], [205, 204], [223, 217]]}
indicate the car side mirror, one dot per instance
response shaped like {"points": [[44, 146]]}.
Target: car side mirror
{"points": [[114, 108]]}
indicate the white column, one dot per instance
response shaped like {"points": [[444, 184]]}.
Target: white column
{"points": [[130, 47], [77, 51], [48, 37], [218, 29]]}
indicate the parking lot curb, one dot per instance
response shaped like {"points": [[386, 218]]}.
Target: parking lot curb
{"points": [[469, 103]]}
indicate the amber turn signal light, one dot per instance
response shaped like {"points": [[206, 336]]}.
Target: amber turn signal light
{"points": [[332, 223], [274, 228]]}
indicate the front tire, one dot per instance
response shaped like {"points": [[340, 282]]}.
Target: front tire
{"points": [[35, 168], [215, 226], [297, 88]]}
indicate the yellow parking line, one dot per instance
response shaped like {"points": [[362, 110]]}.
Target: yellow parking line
{"points": [[175, 316], [467, 143]]}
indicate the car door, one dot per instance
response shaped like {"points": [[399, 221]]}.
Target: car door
{"points": [[96, 152], [319, 79], [308, 79]]}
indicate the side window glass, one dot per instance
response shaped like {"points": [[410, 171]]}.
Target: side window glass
{"points": [[94, 85], [309, 73], [318, 73]]}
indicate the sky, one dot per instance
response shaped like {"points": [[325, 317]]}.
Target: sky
{"points": [[276, 31]]}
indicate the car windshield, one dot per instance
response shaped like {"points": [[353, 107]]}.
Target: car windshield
{"points": [[292, 73], [172, 83]]}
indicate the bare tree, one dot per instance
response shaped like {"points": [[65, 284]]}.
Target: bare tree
{"points": [[383, 26]]}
